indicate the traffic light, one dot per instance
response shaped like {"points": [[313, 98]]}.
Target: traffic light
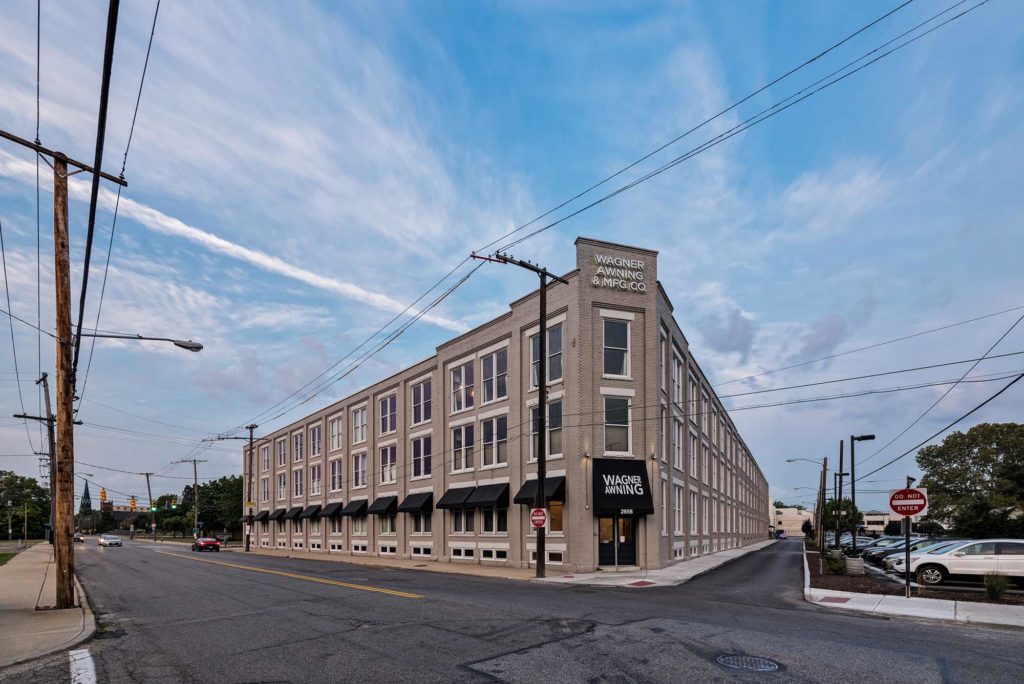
{"points": [[152, 507], [174, 503], [103, 496], [131, 503]]}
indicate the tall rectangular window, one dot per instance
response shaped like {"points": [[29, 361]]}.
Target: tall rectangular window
{"points": [[678, 382], [495, 375], [334, 428], [315, 440], [554, 369], [616, 424], [462, 387], [554, 426], [705, 461], [462, 448], [677, 509], [314, 479], [359, 525], [663, 433], [386, 523], [705, 409], [495, 442], [388, 464], [495, 520], [693, 512], [693, 407], [297, 482], [282, 486], [707, 516], [297, 444], [336, 475], [388, 414], [421, 523], [421, 457], [359, 425], [462, 520], [662, 351], [265, 489], [421, 402], [265, 457], [359, 470], [282, 452], [693, 455], [678, 434], [616, 347]]}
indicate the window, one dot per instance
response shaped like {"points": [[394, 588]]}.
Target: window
{"points": [[616, 347], [705, 410], [297, 443], [297, 526], [462, 448], [359, 470], [694, 407], [359, 524], [983, 549], [616, 424], [389, 414], [662, 344], [677, 509], [388, 464], [495, 375], [495, 520], [662, 420], [297, 482], [282, 486], [705, 461], [314, 527], [707, 516], [421, 523], [693, 455], [314, 440], [495, 441], [386, 523], [421, 402], [336, 467], [462, 520], [314, 479], [556, 512], [678, 435], [282, 453], [265, 489], [462, 387], [693, 512], [265, 457], [336, 525], [359, 425], [554, 369], [1011, 549], [554, 440], [677, 380], [421, 457], [334, 430]]}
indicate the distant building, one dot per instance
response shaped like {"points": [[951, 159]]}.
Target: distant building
{"points": [[790, 520], [86, 505]]}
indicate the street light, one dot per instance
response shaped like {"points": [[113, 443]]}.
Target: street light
{"points": [[188, 345], [853, 479], [809, 460]]}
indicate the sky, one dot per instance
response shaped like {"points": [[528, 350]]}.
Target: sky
{"points": [[300, 172]]}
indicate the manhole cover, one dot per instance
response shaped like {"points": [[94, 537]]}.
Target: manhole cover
{"points": [[748, 663]]}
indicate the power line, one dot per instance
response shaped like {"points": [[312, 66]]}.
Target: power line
{"points": [[946, 393], [14, 347], [22, 320]]}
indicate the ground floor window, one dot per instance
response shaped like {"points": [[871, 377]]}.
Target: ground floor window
{"points": [[421, 523], [314, 526], [386, 523], [462, 521], [495, 520], [336, 526], [297, 526], [359, 524], [556, 511]]}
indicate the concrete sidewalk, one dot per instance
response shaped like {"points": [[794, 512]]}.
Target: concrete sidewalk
{"points": [[30, 626], [678, 573], [969, 612]]}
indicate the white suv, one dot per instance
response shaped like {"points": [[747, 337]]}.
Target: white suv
{"points": [[968, 559]]}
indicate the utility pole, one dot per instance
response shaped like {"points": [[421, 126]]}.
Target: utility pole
{"points": [[24, 522], [540, 499], [839, 500], [853, 481], [195, 492], [152, 511], [53, 461], [249, 501], [822, 495]]}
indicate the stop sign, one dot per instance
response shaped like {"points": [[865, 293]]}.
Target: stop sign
{"points": [[539, 517], [909, 501]]}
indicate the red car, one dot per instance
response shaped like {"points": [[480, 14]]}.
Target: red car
{"points": [[206, 544]]}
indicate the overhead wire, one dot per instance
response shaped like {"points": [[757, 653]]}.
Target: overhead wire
{"points": [[14, 346]]}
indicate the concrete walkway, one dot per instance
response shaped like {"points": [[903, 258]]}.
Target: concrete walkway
{"points": [[678, 573], [29, 625]]}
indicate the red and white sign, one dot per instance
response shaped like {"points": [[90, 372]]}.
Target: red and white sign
{"points": [[909, 501], [539, 517]]}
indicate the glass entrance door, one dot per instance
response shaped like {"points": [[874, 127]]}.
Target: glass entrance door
{"points": [[626, 541], [606, 541], [616, 541]]}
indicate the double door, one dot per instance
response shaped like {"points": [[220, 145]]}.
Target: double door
{"points": [[616, 541]]}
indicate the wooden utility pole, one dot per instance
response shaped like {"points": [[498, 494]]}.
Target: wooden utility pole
{"points": [[152, 511], [195, 492], [53, 461]]}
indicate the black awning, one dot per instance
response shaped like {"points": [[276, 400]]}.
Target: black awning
{"points": [[355, 508], [331, 510], [293, 513], [278, 514], [417, 503], [383, 505], [621, 487], [455, 498], [245, 518], [554, 490], [310, 511], [262, 516], [489, 496]]}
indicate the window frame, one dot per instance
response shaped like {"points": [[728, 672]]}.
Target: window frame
{"points": [[359, 417], [337, 469], [335, 433], [534, 368], [424, 461], [360, 477], [316, 435], [495, 378], [391, 467], [459, 453], [628, 425], [497, 446], [462, 396], [627, 365], [534, 419], [387, 414], [423, 406]]}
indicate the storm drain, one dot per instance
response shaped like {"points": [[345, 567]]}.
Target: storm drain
{"points": [[748, 663]]}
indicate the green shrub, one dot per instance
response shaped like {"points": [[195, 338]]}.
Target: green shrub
{"points": [[996, 585], [837, 566]]}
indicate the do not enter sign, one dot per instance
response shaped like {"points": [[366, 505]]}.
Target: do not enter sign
{"points": [[539, 517], [909, 501]]}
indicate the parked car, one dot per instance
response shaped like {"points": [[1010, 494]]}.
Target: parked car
{"points": [[78, 538], [879, 543], [890, 562], [206, 544], [110, 540], [878, 557], [970, 560]]}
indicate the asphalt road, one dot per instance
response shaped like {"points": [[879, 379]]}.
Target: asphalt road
{"points": [[166, 614]]}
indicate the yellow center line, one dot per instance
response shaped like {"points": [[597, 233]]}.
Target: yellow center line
{"points": [[280, 573]]}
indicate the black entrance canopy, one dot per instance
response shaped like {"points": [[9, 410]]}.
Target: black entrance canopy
{"points": [[262, 516], [278, 514], [355, 508], [293, 513], [489, 496], [331, 510], [455, 498], [245, 518], [417, 503], [384, 505], [621, 487], [310, 511], [554, 490]]}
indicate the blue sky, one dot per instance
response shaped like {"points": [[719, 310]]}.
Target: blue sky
{"points": [[299, 171]]}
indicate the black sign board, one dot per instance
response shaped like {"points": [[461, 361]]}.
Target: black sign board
{"points": [[621, 487]]}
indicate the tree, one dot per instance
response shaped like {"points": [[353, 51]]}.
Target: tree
{"points": [[975, 480], [850, 516], [893, 528], [220, 504], [930, 528], [19, 494], [808, 529], [779, 504]]}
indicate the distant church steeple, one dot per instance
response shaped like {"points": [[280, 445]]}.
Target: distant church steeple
{"points": [[86, 505]]}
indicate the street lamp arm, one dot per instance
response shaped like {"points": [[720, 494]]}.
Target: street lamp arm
{"points": [[188, 345]]}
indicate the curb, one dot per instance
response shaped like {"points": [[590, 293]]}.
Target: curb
{"points": [[85, 633]]}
